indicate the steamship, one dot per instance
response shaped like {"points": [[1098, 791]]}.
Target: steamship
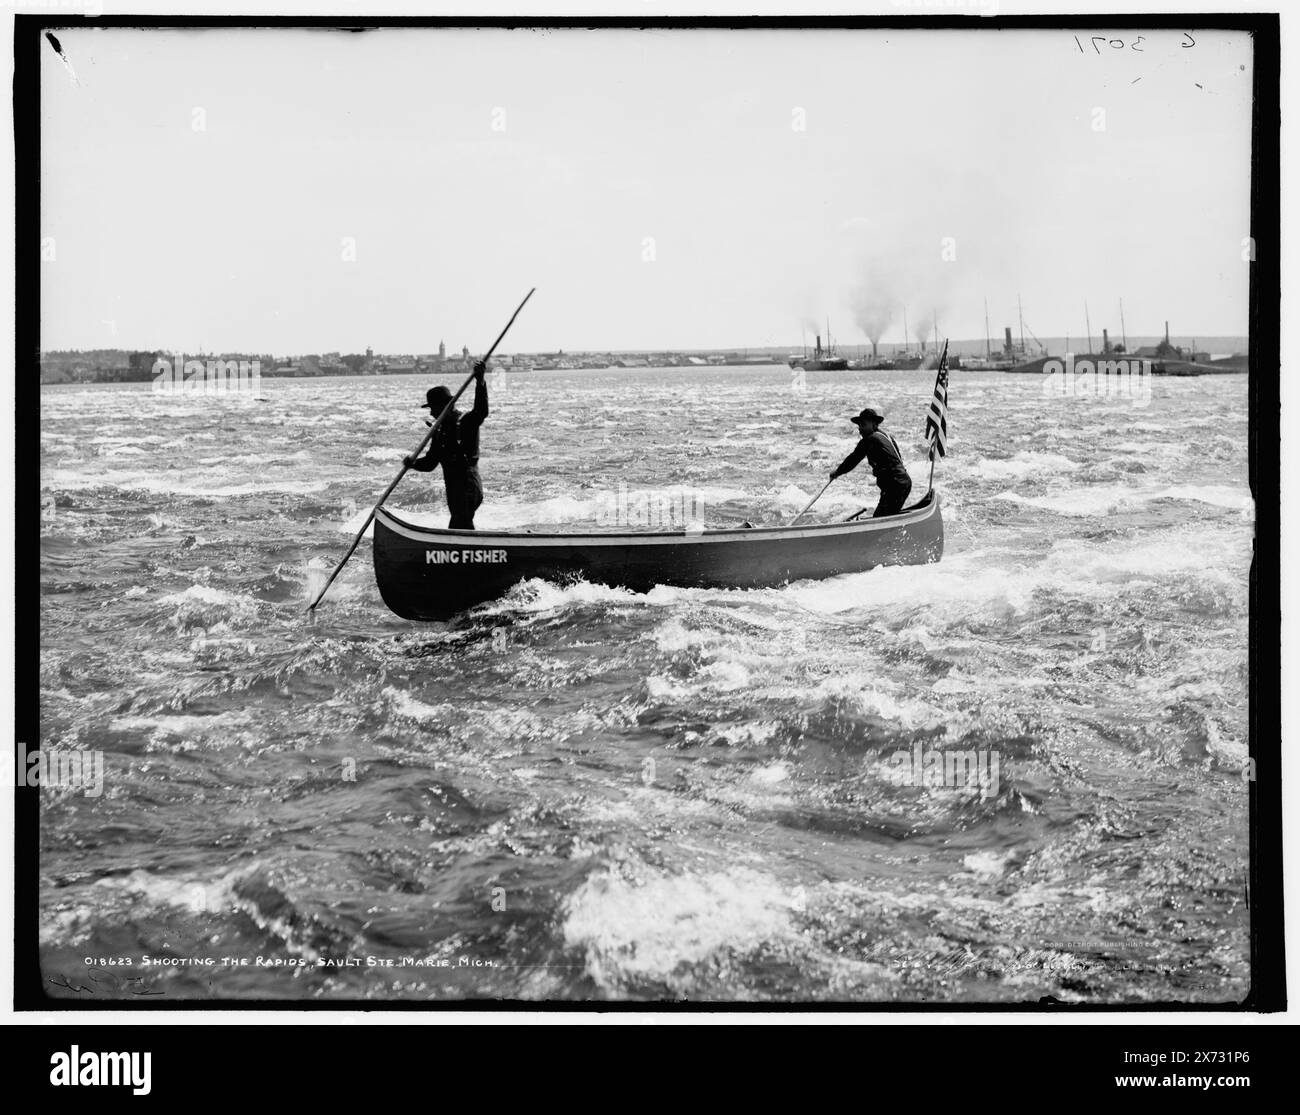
{"points": [[823, 359]]}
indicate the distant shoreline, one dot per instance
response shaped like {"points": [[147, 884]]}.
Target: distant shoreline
{"points": [[116, 365], [1182, 371]]}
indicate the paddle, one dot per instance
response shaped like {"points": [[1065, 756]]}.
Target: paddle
{"points": [[812, 501], [433, 429]]}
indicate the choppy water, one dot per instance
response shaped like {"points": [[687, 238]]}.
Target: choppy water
{"points": [[578, 792]]}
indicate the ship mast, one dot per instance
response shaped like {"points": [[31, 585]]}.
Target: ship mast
{"points": [[907, 337], [988, 344], [1088, 322], [1123, 331], [1020, 309]]}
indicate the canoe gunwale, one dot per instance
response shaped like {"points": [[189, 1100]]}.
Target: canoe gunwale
{"points": [[920, 513]]}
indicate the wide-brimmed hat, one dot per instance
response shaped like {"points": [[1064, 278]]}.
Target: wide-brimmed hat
{"points": [[868, 414], [436, 399]]}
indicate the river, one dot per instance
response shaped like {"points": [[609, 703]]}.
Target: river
{"points": [[581, 793]]}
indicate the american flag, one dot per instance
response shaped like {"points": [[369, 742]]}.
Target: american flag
{"points": [[936, 418]]}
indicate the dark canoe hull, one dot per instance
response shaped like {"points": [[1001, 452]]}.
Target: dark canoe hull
{"points": [[429, 574]]}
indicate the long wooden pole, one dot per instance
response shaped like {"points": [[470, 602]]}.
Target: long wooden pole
{"points": [[419, 449], [811, 502]]}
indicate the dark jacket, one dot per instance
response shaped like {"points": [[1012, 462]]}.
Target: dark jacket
{"points": [[455, 445], [886, 460]]}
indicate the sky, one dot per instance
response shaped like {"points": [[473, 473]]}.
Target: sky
{"points": [[296, 191]]}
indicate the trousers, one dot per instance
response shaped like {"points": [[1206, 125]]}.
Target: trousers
{"points": [[464, 496], [892, 498]]}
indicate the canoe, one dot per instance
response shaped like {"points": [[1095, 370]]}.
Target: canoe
{"points": [[425, 573]]}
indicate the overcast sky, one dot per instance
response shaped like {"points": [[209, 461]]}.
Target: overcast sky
{"points": [[310, 191]]}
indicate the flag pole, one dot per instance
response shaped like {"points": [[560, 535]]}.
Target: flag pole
{"points": [[938, 375]]}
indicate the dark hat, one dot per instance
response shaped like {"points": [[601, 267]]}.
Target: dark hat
{"points": [[436, 400], [868, 414]]}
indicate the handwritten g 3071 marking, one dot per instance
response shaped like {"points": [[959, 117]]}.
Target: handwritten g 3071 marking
{"points": [[1122, 44]]}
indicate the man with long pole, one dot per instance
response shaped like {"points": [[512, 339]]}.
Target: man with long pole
{"points": [[455, 447], [886, 459], [428, 437], [936, 433]]}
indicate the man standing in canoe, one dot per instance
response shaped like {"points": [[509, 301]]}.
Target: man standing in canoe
{"points": [[455, 447], [886, 460]]}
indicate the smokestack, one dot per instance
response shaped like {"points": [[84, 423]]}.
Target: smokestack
{"points": [[873, 350], [1007, 348], [1166, 332], [819, 343], [1105, 341]]}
